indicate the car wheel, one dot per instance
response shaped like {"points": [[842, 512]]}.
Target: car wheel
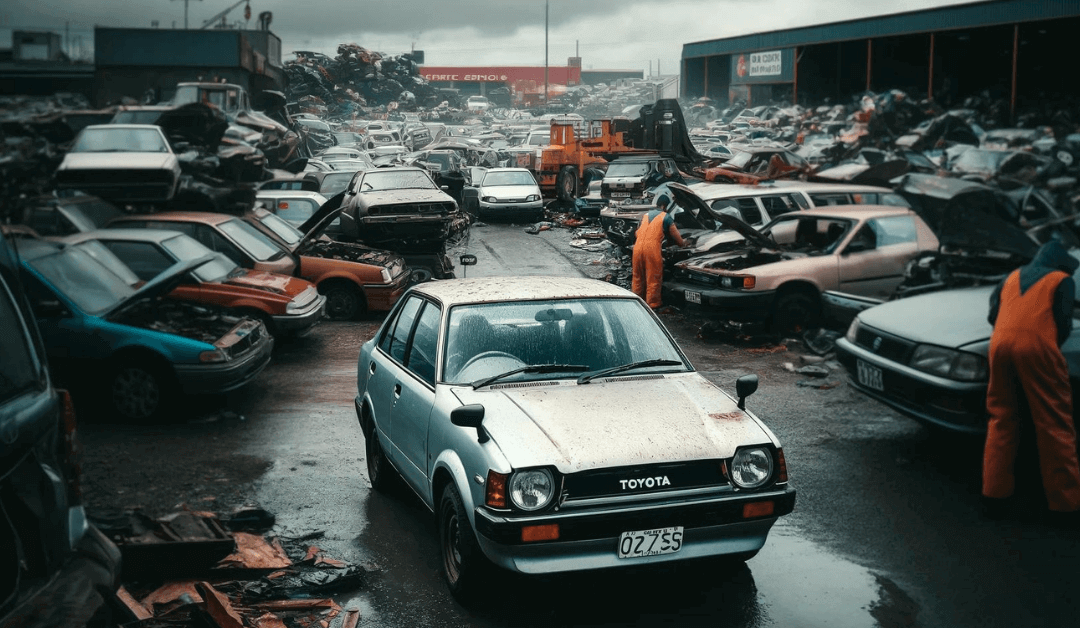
{"points": [[380, 471], [464, 565], [796, 311], [567, 184], [139, 391], [343, 300]]}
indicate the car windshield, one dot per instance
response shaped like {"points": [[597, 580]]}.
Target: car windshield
{"points": [[509, 178], [396, 180], [108, 259], [255, 243], [335, 183], [84, 280], [290, 234], [185, 248], [488, 339], [978, 160], [137, 116], [539, 139], [627, 170], [99, 212], [739, 160], [815, 235], [119, 140]]}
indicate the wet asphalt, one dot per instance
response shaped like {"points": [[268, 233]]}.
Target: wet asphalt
{"points": [[886, 529]]}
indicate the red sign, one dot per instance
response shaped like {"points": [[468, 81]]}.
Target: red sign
{"points": [[560, 75]]}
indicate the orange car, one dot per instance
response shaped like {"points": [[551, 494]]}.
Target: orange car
{"points": [[286, 305]]}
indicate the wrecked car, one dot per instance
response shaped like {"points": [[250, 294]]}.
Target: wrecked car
{"points": [[355, 279], [523, 406], [508, 194], [776, 278], [399, 209], [752, 165], [285, 305], [628, 177], [134, 348], [123, 163], [58, 567], [60, 216]]}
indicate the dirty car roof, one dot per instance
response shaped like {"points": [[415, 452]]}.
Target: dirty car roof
{"points": [[498, 289]]}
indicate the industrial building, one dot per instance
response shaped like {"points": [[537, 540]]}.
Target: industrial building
{"points": [[1015, 50]]}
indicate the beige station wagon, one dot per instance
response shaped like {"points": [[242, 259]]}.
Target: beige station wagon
{"points": [[777, 275]]}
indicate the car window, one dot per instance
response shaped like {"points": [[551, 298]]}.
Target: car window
{"points": [[185, 248], [894, 230], [288, 233], [779, 205], [143, 258], [421, 360], [83, 280], [47, 221], [825, 200], [18, 370], [250, 239], [815, 236], [396, 338], [96, 212], [217, 243], [120, 140], [744, 208]]}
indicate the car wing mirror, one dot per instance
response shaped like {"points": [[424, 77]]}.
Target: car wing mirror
{"points": [[470, 416], [50, 309], [744, 387]]}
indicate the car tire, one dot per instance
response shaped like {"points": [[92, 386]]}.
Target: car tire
{"points": [[380, 472], [139, 390], [796, 311], [464, 566], [344, 301], [566, 184]]}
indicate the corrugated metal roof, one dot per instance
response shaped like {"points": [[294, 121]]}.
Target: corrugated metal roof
{"points": [[940, 19]]}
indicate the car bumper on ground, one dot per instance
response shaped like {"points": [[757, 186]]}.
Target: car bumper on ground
{"points": [[736, 305], [589, 540], [932, 400], [509, 211], [301, 323], [208, 379], [382, 297]]}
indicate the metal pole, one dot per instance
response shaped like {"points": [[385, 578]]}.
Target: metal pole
{"points": [[930, 82], [705, 91], [546, 7], [869, 61], [1016, 53], [795, 71]]}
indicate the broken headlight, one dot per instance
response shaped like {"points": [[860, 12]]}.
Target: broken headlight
{"points": [[532, 489], [949, 363]]}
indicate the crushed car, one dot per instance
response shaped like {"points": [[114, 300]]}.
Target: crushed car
{"points": [[122, 163]]}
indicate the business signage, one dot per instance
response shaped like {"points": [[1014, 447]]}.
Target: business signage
{"points": [[560, 75], [771, 66]]}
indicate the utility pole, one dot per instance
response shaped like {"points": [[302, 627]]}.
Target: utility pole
{"points": [[186, 2], [547, 4]]}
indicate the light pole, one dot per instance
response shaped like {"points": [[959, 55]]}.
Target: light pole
{"points": [[546, 6]]}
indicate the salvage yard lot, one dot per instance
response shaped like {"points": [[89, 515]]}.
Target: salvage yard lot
{"points": [[884, 529]]}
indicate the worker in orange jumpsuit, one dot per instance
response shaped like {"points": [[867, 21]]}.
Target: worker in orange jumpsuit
{"points": [[648, 262], [1031, 311]]}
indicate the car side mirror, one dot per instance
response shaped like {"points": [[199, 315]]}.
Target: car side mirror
{"points": [[50, 309], [858, 246], [470, 416], [744, 387]]}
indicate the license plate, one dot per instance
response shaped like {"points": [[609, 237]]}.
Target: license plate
{"points": [[620, 195], [692, 297], [869, 375], [650, 542]]}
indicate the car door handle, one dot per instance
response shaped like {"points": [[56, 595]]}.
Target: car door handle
{"points": [[397, 390], [371, 368]]}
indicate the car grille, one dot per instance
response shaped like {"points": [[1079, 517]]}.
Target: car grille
{"points": [[626, 481], [246, 342], [411, 208], [885, 345]]}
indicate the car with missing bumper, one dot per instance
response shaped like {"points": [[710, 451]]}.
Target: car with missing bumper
{"points": [[553, 425]]}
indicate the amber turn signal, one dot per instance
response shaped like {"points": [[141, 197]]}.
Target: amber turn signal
{"points": [[495, 494], [781, 467], [757, 509], [547, 532]]}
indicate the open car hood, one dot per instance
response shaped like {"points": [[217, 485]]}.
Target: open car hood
{"points": [[163, 284], [685, 197], [314, 226]]}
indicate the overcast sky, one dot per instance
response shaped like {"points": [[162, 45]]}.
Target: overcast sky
{"points": [[613, 34]]}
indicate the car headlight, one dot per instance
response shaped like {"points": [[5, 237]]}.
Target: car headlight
{"points": [[532, 197], [490, 199], [215, 356], [949, 363], [385, 275], [741, 281], [751, 467], [852, 330], [532, 490]]}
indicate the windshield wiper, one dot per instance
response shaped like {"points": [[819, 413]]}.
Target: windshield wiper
{"points": [[588, 377], [539, 368]]}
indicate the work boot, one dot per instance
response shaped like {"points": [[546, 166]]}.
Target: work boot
{"points": [[994, 508]]}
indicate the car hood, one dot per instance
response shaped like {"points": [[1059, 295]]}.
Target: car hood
{"points": [[389, 197], [314, 226], [161, 285], [621, 422], [949, 318], [508, 191], [269, 282], [685, 197], [118, 161]]}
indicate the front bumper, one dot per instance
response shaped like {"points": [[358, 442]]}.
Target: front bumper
{"points": [[301, 323], [588, 540], [208, 379], [736, 305], [932, 400], [382, 297], [530, 210]]}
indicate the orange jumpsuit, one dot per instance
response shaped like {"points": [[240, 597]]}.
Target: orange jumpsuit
{"points": [[1025, 359], [648, 262]]}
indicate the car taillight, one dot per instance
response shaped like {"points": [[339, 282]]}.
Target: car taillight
{"points": [[781, 467], [495, 495], [72, 452]]}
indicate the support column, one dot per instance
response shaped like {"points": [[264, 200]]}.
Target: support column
{"points": [[869, 61], [1015, 54], [795, 71], [930, 82], [705, 83]]}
